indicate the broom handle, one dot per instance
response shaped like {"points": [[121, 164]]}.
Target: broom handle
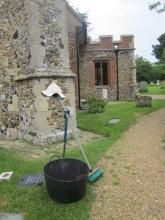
{"points": [[76, 136], [78, 142], [66, 113]]}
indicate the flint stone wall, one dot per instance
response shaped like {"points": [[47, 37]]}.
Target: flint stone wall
{"points": [[33, 53], [41, 118], [14, 58]]}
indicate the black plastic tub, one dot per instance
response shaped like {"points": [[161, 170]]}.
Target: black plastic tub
{"points": [[66, 179]]}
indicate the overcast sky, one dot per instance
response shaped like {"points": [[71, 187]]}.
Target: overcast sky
{"points": [[118, 17]]}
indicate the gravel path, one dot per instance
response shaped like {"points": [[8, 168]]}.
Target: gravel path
{"points": [[133, 185]]}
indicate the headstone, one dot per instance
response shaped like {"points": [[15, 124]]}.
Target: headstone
{"points": [[157, 82], [144, 101], [152, 83], [143, 86], [84, 104]]}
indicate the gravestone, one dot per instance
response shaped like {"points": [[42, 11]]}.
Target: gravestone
{"points": [[143, 86], [144, 101], [84, 104]]}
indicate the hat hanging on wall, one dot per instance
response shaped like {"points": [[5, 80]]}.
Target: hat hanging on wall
{"points": [[53, 89]]}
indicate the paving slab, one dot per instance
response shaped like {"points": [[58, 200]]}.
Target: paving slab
{"points": [[7, 216], [114, 121], [158, 96]]}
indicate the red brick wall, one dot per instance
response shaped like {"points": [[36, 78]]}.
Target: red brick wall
{"points": [[104, 51], [106, 42]]}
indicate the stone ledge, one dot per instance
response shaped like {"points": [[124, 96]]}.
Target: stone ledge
{"points": [[47, 73], [111, 50], [39, 76]]}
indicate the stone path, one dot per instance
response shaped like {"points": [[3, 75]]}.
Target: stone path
{"points": [[133, 185], [158, 96]]}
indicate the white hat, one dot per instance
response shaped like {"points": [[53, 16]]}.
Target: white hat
{"points": [[52, 90]]}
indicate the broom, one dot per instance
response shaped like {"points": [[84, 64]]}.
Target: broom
{"points": [[95, 174]]}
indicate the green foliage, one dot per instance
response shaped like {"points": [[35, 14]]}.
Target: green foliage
{"points": [[144, 70], [159, 49], [162, 59], [158, 6], [96, 105], [158, 72]]}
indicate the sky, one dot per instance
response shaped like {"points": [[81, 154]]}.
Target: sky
{"points": [[118, 17]]}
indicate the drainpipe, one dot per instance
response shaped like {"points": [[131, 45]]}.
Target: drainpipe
{"points": [[78, 68], [117, 71], [83, 29]]}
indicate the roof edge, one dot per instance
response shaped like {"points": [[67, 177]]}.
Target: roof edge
{"points": [[77, 15]]}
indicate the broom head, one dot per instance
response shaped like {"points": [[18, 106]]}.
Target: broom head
{"points": [[93, 176]]}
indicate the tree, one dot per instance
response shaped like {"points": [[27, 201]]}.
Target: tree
{"points": [[159, 7], [144, 70], [158, 72], [162, 59], [159, 49]]}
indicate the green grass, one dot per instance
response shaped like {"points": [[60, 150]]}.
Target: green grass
{"points": [[126, 111], [34, 203], [156, 90]]}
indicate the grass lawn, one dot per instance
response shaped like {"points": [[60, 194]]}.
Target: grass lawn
{"points": [[34, 203], [156, 90]]}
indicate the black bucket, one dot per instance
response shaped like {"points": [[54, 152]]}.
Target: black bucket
{"points": [[66, 179]]}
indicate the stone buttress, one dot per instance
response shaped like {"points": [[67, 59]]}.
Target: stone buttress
{"points": [[34, 53]]}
